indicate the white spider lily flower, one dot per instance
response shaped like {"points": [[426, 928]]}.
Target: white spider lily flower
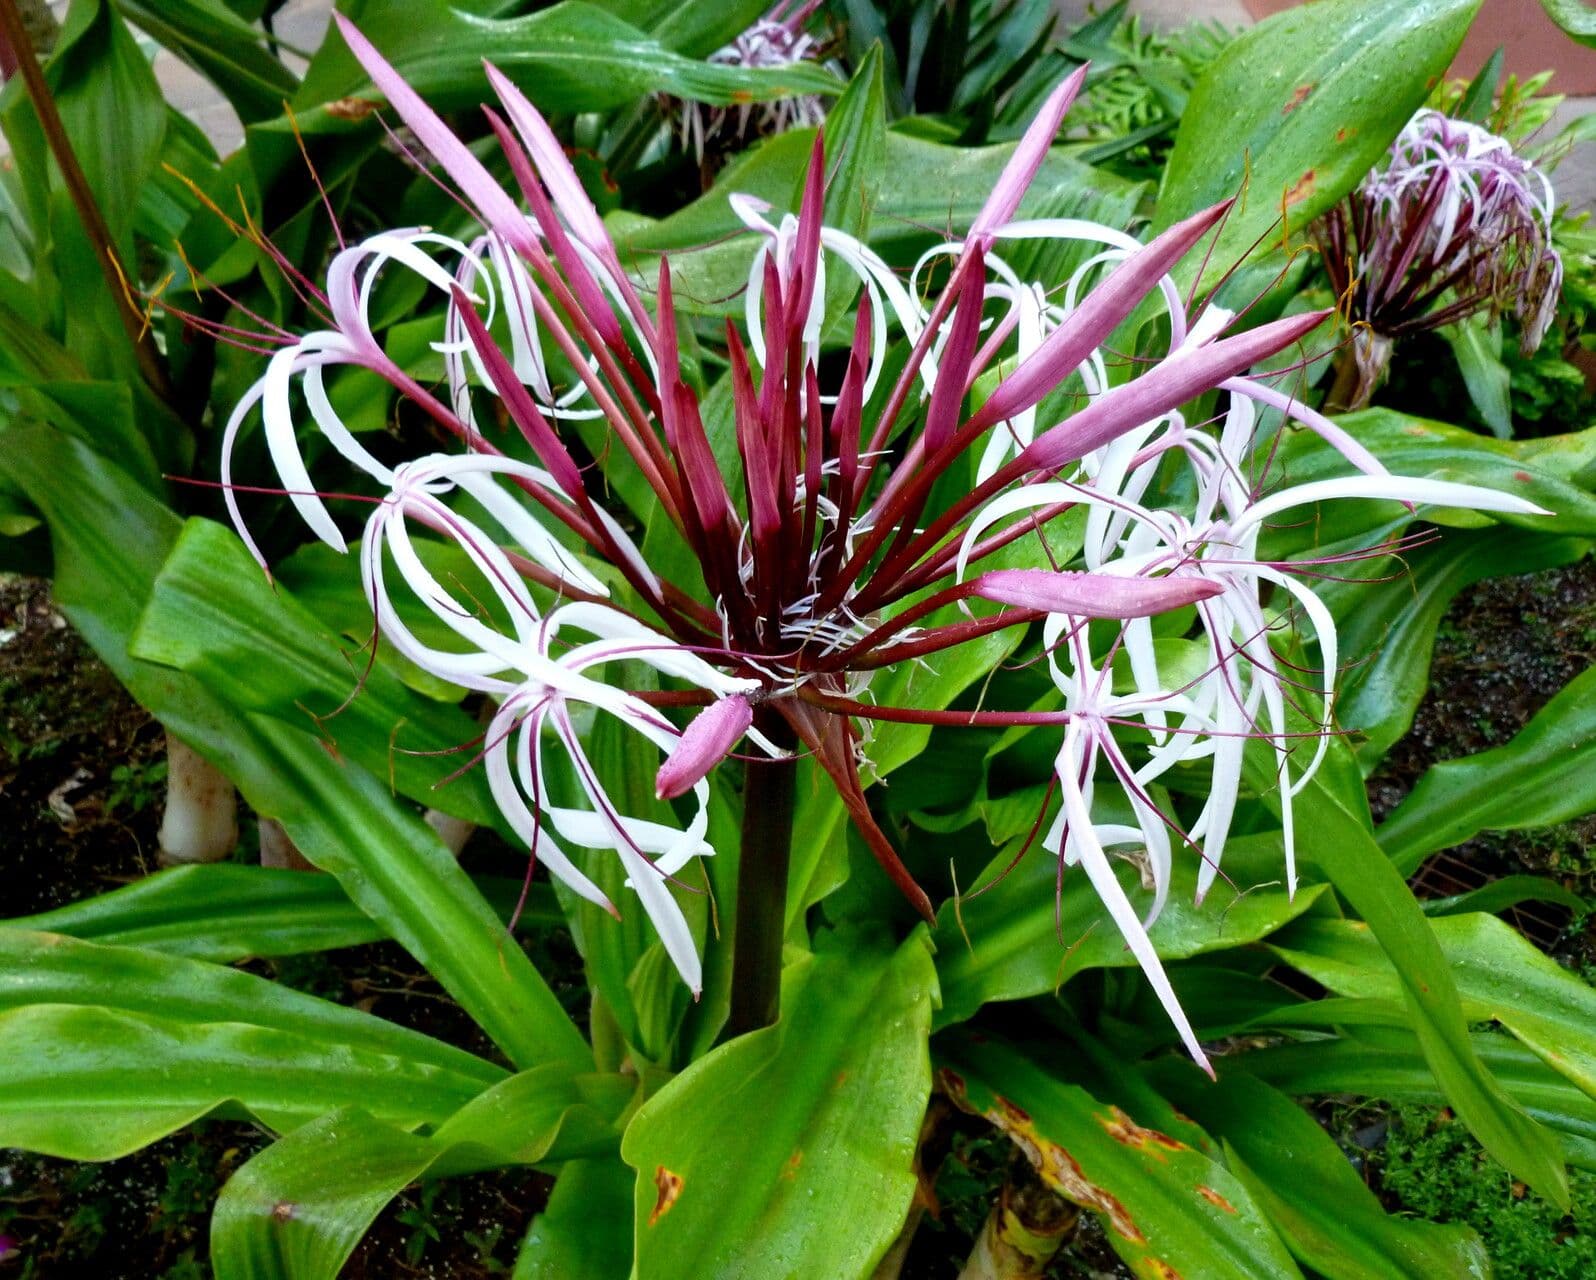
{"points": [[550, 685], [1243, 693]]}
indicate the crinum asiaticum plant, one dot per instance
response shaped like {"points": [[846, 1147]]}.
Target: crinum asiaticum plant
{"points": [[886, 507]]}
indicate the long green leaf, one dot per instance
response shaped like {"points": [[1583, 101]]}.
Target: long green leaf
{"points": [[1384, 1062], [226, 50], [1545, 775], [222, 912], [88, 1083], [1500, 976], [214, 615], [562, 1241], [1499, 895], [297, 1209], [46, 968], [1328, 1217], [792, 1148], [1341, 847], [1167, 1208], [343, 819], [569, 57], [1297, 110], [1574, 17]]}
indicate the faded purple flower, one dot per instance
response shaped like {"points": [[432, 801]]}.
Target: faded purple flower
{"points": [[1456, 223], [779, 39]]}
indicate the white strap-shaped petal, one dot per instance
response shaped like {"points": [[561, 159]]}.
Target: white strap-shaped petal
{"points": [[489, 651], [1101, 873], [1438, 493], [517, 727], [647, 646], [646, 879], [277, 418]]}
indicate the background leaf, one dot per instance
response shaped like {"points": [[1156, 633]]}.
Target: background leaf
{"points": [[1298, 109], [296, 1210], [1166, 1207], [340, 817], [222, 911], [1302, 1180]]}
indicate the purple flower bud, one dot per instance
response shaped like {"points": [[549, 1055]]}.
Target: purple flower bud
{"points": [[1091, 595], [704, 744]]}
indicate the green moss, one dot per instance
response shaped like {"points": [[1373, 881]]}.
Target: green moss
{"points": [[1432, 1168]]}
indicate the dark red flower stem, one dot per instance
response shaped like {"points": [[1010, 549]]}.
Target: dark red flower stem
{"points": [[761, 923]]}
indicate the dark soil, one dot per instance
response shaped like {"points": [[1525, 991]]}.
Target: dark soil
{"points": [[81, 788], [1505, 649]]}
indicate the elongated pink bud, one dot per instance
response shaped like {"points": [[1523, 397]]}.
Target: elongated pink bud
{"points": [[1091, 595], [475, 182], [705, 743], [1026, 161], [1090, 324], [1157, 391]]}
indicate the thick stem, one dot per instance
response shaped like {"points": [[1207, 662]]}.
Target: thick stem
{"points": [[201, 819], [761, 923], [1344, 384], [1027, 1226], [14, 32]]}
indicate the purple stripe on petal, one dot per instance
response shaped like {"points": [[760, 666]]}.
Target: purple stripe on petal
{"points": [[1091, 595]]}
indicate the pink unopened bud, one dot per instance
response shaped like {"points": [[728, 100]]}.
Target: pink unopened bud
{"points": [[705, 743], [1091, 595]]}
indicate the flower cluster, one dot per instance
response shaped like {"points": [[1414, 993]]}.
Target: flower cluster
{"points": [[1456, 223], [777, 40], [847, 515]]}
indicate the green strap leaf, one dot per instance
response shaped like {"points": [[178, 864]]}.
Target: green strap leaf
{"points": [[1328, 1217], [344, 820], [214, 615], [1298, 109], [1544, 776], [793, 1147], [223, 48], [569, 57], [562, 1241], [1389, 1062], [221, 912], [46, 968], [1166, 1208], [89, 1083], [1501, 894], [1574, 17], [297, 1210], [1341, 847], [1500, 976]]}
